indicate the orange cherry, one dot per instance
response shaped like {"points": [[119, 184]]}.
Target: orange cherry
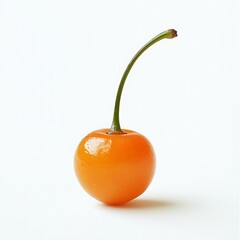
{"points": [[115, 168], [113, 165]]}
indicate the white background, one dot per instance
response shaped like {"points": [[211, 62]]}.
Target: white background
{"points": [[60, 65]]}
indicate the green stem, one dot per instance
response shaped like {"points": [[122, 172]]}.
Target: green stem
{"points": [[115, 127]]}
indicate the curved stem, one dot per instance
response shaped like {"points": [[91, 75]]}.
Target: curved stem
{"points": [[115, 127]]}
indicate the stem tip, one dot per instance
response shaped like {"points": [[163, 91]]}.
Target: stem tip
{"points": [[172, 33]]}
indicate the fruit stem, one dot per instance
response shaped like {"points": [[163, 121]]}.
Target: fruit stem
{"points": [[115, 127]]}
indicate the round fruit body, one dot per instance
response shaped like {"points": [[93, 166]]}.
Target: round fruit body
{"points": [[114, 168]]}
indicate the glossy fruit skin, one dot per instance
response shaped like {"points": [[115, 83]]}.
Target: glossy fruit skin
{"points": [[114, 168]]}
